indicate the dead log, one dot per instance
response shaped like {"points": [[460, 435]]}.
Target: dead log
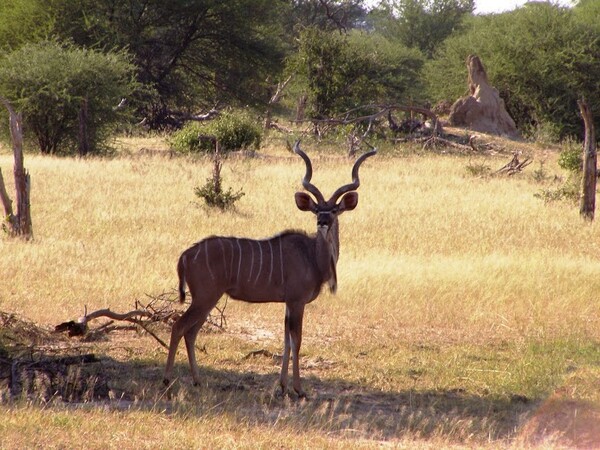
{"points": [[587, 205], [382, 110], [80, 327], [276, 126]]}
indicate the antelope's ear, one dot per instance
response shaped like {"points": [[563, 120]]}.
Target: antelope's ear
{"points": [[348, 202], [304, 202]]}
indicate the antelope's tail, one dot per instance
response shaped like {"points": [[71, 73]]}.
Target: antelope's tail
{"points": [[181, 275]]}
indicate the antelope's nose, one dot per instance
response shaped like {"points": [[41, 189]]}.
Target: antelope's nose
{"points": [[323, 229]]}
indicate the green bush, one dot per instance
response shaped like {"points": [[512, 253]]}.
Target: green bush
{"points": [[569, 192], [215, 196], [233, 130], [571, 158], [342, 72]]}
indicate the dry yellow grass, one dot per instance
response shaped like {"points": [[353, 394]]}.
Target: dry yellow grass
{"points": [[456, 295]]}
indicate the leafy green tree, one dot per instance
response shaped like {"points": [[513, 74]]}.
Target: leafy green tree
{"points": [[342, 72], [326, 15], [193, 53], [24, 21], [422, 24], [542, 58], [62, 90]]}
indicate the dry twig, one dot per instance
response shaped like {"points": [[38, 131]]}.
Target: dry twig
{"points": [[158, 310]]}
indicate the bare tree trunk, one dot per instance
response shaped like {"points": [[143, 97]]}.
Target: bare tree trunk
{"points": [[275, 98], [19, 224], [587, 206], [83, 146], [301, 106], [217, 166]]}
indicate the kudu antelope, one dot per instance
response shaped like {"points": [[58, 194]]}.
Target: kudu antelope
{"points": [[290, 267]]}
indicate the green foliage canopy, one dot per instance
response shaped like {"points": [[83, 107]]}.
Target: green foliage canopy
{"points": [[48, 82], [342, 72], [421, 24], [192, 53]]}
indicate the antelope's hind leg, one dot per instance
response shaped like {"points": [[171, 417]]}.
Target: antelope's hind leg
{"points": [[190, 345], [187, 326], [176, 335]]}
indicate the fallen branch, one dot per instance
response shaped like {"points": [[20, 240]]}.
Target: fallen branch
{"points": [[280, 128], [381, 111], [80, 327], [158, 310], [514, 165]]}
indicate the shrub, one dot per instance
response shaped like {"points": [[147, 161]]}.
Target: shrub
{"points": [[233, 130], [569, 192], [571, 158], [217, 197], [212, 191]]}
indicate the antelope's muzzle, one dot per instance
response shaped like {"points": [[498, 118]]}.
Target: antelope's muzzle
{"points": [[323, 230]]}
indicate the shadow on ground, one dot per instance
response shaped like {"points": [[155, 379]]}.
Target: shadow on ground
{"points": [[349, 409], [49, 370]]}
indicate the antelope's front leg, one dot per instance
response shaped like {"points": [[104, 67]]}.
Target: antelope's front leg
{"points": [[285, 359], [294, 319]]}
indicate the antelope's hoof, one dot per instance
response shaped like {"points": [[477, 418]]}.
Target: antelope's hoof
{"points": [[302, 395], [282, 390], [166, 382]]}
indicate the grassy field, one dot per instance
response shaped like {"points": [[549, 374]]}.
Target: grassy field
{"points": [[464, 304]]}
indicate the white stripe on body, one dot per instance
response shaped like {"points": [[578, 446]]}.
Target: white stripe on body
{"points": [[207, 259], [224, 260], [281, 258], [260, 264], [231, 259], [251, 260], [199, 244], [271, 271], [240, 261]]}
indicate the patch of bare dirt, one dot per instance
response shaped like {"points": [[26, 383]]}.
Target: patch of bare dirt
{"points": [[563, 421]]}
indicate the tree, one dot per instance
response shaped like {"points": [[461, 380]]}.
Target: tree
{"points": [[19, 223], [342, 72], [422, 24], [56, 87], [590, 171], [24, 21], [194, 53], [326, 15]]}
